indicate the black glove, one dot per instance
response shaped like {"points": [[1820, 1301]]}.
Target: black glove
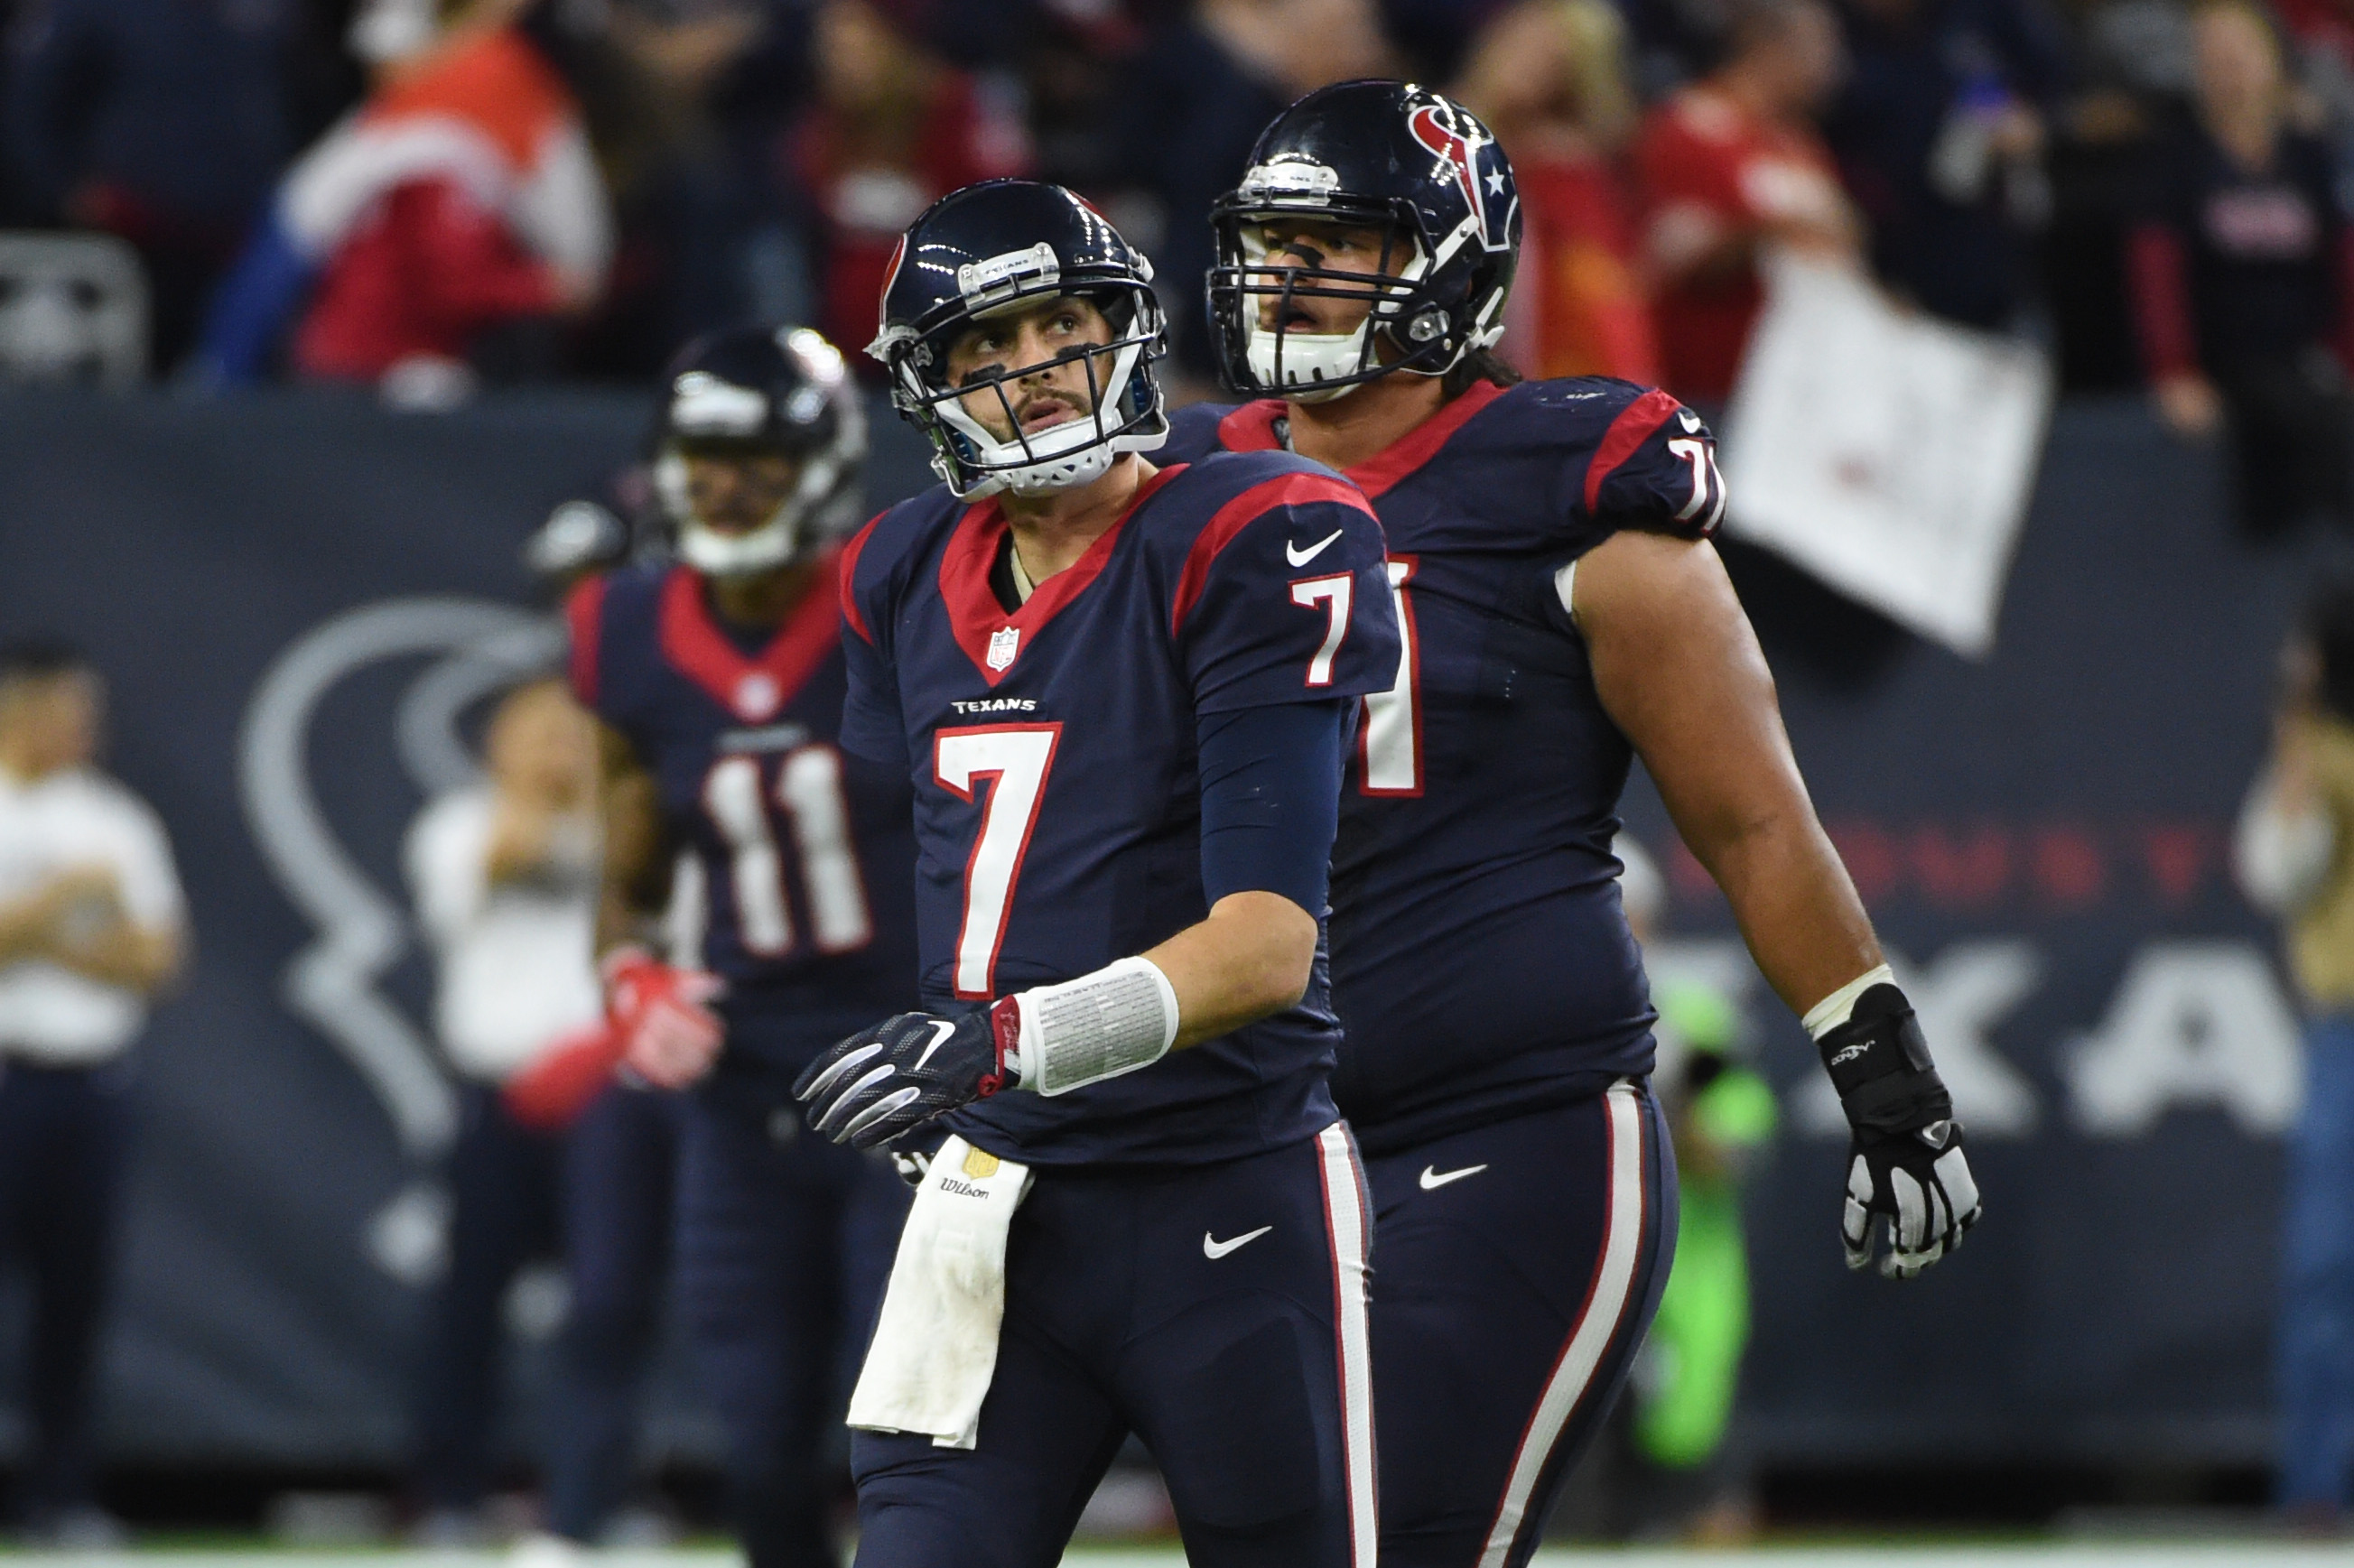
{"points": [[1905, 1161], [884, 1081]]}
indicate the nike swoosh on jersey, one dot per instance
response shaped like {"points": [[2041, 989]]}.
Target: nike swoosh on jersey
{"points": [[1434, 1179], [941, 1030], [1212, 1248], [1299, 557]]}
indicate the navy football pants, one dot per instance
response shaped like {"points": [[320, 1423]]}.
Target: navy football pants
{"points": [[619, 1162], [784, 1243], [1217, 1311], [1520, 1264]]}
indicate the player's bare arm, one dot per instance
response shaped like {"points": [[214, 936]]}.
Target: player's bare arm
{"points": [[1250, 959], [1679, 671], [667, 1034], [634, 883]]}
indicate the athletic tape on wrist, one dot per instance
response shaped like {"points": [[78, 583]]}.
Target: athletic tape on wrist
{"points": [[1840, 1006], [1115, 1021]]}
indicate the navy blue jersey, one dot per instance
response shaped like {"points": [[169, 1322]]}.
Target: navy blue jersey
{"points": [[804, 855], [1481, 962], [1052, 751]]}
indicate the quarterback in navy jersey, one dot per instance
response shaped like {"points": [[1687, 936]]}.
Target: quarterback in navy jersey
{"points": [[1563, 612], [1122, 696], [717, 682]]}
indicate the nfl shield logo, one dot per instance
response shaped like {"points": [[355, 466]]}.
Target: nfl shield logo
{"points": [[1002, 643]]}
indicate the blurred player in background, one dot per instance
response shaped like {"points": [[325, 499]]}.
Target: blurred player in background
{"points": [[504, 875], [1563, 611], [91, 926], [1123, 696], [718, 681]]}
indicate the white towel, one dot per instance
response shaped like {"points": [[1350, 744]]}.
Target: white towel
{"points": [[934, 1345]]}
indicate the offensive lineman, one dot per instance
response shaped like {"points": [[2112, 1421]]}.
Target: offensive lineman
{"points": [[1563, 611], [719, 683], [1123, 696]]}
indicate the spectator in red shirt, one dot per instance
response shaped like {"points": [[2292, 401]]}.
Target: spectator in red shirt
{"points": [[894, 129], [1733, 164], [1550, 79], [462, 197]]}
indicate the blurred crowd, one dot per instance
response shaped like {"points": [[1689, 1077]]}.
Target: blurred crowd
{"points": [[428, 193]]}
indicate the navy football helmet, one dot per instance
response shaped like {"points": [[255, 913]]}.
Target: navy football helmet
{"points": [[1389, 155], [978, 251], [752, 390]]}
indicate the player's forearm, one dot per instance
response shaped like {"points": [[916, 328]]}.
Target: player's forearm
{"points": [[1249, 959], [1793, 900], [622, 920]]}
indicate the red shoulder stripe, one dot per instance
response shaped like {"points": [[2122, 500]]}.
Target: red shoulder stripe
{"points": [[1283, 490], [1628, 431], [850, 613], [583, 613]]}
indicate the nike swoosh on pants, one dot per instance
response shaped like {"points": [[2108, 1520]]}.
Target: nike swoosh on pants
{"points": [[1433, 1179], [1212, 1247]]}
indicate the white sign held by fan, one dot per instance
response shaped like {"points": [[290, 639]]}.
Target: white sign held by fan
{"points": [[1890, 454]]}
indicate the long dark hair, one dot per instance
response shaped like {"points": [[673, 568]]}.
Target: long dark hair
{"points": [[1480, 365]]}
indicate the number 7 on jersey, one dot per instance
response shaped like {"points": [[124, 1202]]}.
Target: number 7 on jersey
{"points": [[1015, 759]]}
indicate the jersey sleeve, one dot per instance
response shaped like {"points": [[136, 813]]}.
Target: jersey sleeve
{"points": [[873, 725], [1284, 598], [584, 623], [1655, 469]]}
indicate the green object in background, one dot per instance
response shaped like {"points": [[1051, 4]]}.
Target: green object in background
{"points": [[1702, 1016], [1702, 1326]]}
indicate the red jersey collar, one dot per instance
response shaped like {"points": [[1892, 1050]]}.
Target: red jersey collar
{"points": [[755, 689], [990, 637], [1251, 429]]}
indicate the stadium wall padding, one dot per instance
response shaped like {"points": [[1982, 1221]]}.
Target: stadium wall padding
{"points": [[295, 597]]}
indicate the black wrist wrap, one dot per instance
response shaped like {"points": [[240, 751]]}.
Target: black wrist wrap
{"points": [[1881, 1068]]}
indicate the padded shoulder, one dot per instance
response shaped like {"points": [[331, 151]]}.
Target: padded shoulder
{"points": [[1193, 433], [878, 558]]}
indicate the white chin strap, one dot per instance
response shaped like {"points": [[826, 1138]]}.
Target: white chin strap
{"points": [[1062, 457]]}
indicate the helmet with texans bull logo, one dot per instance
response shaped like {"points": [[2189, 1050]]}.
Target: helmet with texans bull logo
{"points": [[991, 250], [1387, 158], [777, 408]]}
